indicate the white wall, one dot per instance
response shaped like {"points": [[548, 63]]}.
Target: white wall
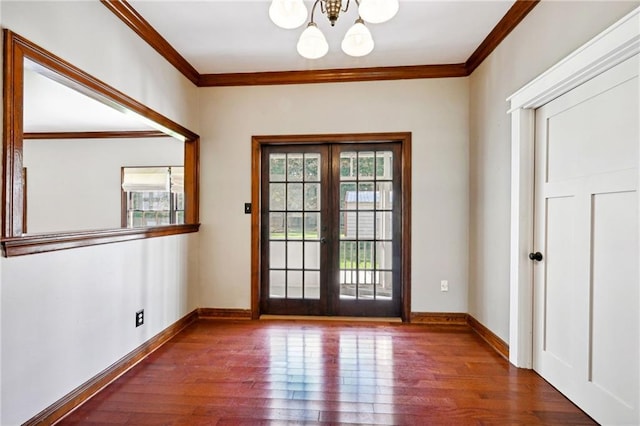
{"points": [[75, 184], [435, 111], [550, 32], [68, 315], [92, 38]]}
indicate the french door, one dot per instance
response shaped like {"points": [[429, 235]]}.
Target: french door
{"points": [[331, 229]]}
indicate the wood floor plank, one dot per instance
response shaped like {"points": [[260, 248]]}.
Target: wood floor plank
{"points": [[226, 372]]}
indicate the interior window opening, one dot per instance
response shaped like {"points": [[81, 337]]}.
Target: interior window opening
{"points": [[152, 196]]}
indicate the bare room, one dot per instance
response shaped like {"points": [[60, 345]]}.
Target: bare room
{"points": [[396, 212]]}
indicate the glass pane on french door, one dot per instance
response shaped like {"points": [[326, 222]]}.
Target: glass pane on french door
{"points": [[366, 225], [294, 225], [368, 239], [331, 240], [292, 200]]}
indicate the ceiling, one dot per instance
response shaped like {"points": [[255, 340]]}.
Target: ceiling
{"points": [[223, 36], [237, 36]]}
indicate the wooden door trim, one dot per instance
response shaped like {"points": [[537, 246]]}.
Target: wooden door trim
{"points": [[257, 142]]}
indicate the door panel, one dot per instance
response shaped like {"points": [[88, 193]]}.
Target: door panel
{"points": [[369, 249], [586, 292], [578, 152], [331, 230], [294, 197], [558, 297], [615, 295]]}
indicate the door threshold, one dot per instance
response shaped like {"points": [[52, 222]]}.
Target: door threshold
{"points": [[329, 318]]}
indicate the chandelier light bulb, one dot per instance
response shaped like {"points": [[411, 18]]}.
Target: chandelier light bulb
{"points": [[378, 11], [288, 14], [358, 41], [312, 43]]}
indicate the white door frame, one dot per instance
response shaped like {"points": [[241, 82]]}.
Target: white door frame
{"points": [[613, 46]]}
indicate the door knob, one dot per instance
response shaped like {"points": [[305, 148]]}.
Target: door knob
{"points": [[535, 256], [323, 240]]}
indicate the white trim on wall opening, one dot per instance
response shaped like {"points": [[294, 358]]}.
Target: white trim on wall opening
{"points": [[617, 43]]}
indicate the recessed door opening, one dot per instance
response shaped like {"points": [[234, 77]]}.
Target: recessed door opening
{"points": [[332, 226]]}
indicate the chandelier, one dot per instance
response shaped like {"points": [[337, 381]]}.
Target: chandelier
{"points": [[312, 44]]}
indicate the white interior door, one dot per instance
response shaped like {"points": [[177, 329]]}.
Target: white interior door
{"points": [[586, 296]]}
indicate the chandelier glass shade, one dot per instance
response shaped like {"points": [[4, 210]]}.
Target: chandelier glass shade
{"points": [[358, 41], [288, 14], [312, 44], [377, 11]]}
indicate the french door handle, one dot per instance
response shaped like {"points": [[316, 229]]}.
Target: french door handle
{"points": [[323, 240], [537, 256]]}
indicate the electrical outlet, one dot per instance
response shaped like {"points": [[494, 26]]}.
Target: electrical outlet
{"points": [[139, 318], [444, 285]]}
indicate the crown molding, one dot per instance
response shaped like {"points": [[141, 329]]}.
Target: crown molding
{"points": [[123, 10], [509, 21], [127, 14], [342, 75]]}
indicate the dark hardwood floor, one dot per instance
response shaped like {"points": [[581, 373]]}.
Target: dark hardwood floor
{"points": [[301, 372]]}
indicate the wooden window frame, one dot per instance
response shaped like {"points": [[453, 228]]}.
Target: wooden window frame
{"points": [[14, 243], [257, 142]]}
